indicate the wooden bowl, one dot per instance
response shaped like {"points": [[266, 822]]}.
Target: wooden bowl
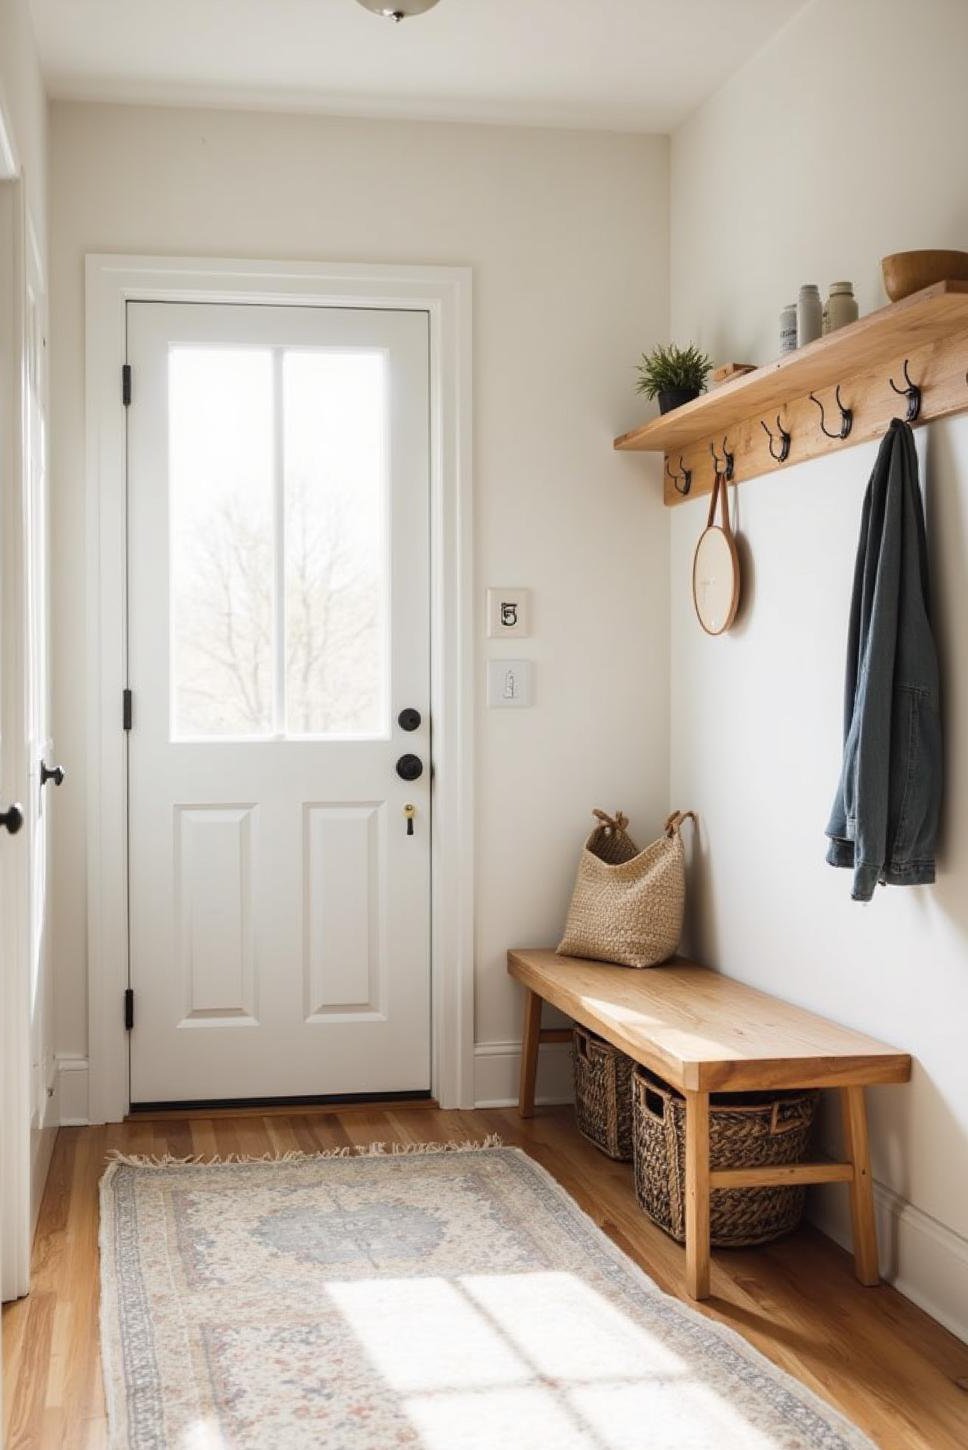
{"points": [[907, 272]]}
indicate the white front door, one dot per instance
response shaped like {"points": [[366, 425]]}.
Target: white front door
{"points": [[278, 628]]}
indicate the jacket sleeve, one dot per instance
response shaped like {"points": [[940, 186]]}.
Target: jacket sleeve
{"points": [[867, 793]]}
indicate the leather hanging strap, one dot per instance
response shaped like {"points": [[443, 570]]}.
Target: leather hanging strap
{"points": [[722, 483]]}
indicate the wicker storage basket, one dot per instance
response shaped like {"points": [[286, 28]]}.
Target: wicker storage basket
{"points": [[603, 1093], [748, 1130]]}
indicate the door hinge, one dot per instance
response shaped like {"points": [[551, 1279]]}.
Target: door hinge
{"points": [[126, 385], [126, 709], [128, 1008]]}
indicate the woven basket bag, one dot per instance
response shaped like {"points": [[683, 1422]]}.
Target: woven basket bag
{"points": [[627, 904], [603, 1093], [750, 1130]]}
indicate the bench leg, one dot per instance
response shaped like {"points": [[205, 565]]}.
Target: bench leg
{"points": [[530, 1043], [863, 1224], [697, 1195]]}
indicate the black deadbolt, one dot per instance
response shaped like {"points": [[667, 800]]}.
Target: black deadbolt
{"points": [[410, 767], [13, 817], [409, 719]]}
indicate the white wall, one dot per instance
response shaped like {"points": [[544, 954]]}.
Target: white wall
{"points": [[837, 144], [567, 234], [24, 101]]}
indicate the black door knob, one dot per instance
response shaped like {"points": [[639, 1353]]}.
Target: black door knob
{"points": [[410, 767], [55, 773], [409, 719], [13, 818]]}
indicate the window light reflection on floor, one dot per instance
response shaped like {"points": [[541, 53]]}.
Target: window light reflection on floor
{"points": [[566, 1330], [424, 1334], [203, 1435], [528, 1361]]}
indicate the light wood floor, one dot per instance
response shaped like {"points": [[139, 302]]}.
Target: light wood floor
{"points": [[886, 1365]]}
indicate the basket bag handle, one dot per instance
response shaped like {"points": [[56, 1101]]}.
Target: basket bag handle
{"points": [[675, 821], [618, 822]]}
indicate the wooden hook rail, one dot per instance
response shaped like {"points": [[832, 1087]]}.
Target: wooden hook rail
{"points": [[906, 360]]}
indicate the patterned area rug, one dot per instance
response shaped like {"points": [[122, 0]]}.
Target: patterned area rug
{"points": [[446, 1300]]}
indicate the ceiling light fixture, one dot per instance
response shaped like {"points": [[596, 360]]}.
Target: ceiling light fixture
{"points": [[398, 9]]}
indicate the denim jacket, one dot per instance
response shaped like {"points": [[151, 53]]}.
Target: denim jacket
{"points": [[885, 815]]}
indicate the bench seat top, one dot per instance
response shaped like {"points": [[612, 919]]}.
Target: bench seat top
{"points": [[702, 1031]]}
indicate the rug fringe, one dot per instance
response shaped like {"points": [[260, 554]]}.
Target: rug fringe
{"points": [[296, 1155]]}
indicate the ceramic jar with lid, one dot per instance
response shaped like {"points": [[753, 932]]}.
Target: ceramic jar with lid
{"points": [[841, 305]]}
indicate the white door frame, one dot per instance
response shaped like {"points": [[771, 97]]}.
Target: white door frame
{"points": [[15, 1035], [444, 293]]}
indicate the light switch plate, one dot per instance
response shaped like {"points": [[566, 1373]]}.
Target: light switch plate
{"points": [[509, 684], [508, 613]]}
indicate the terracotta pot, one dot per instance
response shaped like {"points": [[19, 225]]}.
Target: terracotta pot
{"points": [[670, 398], [907, 272]]}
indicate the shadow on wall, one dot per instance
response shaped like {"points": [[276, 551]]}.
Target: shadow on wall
{"points": [[699, 888], [747, 590], [947, 551], [897, 1114]]}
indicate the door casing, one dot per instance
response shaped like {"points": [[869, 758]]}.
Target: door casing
{"points": [[445, 293], [27, 1112], [15, 1038]]}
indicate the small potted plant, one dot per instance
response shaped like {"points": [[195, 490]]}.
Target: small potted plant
{"points": [[674, 375]]}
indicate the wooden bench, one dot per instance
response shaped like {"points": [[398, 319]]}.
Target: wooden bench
{"points": [[703, 1032]]}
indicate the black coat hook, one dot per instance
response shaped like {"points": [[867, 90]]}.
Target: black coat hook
{"points": [[912, 392], [846, 416], [685, 475], [727, 461], [784, 452]]}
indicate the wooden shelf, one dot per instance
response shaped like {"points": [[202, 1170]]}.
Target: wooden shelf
{"points": [[930, 328]]}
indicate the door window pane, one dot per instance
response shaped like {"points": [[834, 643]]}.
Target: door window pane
{"points": [[335, 494], [221, 462]]}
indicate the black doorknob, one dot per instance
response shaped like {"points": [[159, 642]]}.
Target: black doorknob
{"points": [[410, 767], [55, 773], [12, 819], [409, 719]]}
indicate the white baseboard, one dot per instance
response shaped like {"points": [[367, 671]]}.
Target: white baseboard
{"points": [[72, 1075], [926, 1261], [496, 1068]]}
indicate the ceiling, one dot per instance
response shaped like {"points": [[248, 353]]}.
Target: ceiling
{"points": [[631, 65]]}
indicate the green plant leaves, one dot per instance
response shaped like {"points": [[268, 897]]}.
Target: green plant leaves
{"points": [[665, 368]]}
